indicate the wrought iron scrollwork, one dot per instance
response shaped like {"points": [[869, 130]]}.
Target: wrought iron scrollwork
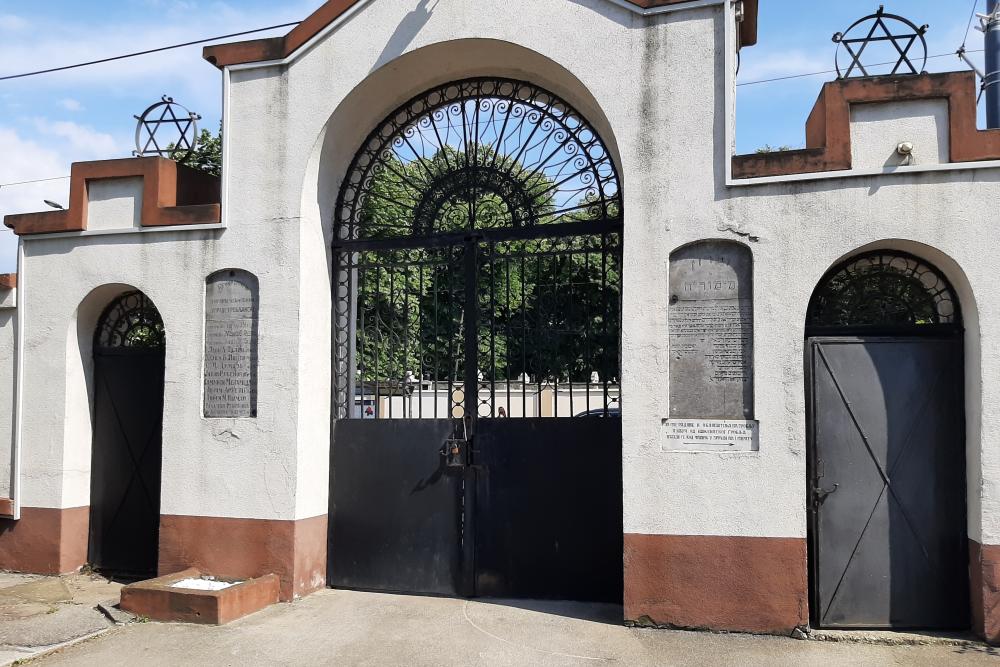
{"points": [[511, 148], [875, 29], [884, 289], [477, 261], [130, 321]]}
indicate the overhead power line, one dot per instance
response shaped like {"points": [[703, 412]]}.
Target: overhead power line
{"points": [[37, 180], [146, 52], [833, 71]]}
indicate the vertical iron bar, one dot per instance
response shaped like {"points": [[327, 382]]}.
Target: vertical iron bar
{"points": [[493, 330], [571, 328], [538, 331], [471, 331], [524, 341], [586, 326], [390, 362], [435, 370], [554, 331], [420, 338], [604, 301], [378, 341], [507, 324], [353, 298]]}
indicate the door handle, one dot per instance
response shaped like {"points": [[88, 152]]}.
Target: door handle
{"points": [[820, 494]]}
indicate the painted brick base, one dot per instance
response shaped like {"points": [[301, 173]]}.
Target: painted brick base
{"points": [[45, 540], [159, 600], [246, 548], [747, 584], [984, 577]]}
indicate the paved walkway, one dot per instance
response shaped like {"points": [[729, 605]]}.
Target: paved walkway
{"points": [[38, 613], [346, 628]]}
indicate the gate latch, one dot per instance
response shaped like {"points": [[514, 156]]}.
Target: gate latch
{"points": [[454, 453], [820, 494]]}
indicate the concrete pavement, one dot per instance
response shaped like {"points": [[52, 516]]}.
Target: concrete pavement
{"points": [[38, 613], [348, 628]]}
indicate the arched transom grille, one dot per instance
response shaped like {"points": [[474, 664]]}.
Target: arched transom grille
{"points": [[473, 155], [884, 288], [130, 321], [477, 261]]}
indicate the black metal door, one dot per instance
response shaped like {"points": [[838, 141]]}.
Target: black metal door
{"points": [[396, 508], [549, 509], [889, 546], [126, 463], [443, 490]]}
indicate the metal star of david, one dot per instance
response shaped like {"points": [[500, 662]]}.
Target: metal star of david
{"points": [[879, 31], [166, 129]]}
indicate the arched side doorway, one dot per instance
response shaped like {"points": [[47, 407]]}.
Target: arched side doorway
{"points": [[886, 432], [129, 346], [477, 262]]}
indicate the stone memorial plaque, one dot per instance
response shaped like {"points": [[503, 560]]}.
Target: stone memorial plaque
{"points": [[706, 435], [710, 325], [231, 314]]}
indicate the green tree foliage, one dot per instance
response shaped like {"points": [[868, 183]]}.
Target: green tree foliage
{"points": [[547, 308], [207, 155]]}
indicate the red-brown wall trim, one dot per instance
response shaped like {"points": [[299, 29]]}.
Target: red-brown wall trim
{"points": [[828, 129], [746, 584], [984, 579], [159, 600], [8, 280], [173, 194], [278, 48], [246, 548], [45, 541], [6, 508]]}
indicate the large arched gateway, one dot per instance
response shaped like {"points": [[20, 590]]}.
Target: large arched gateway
{"points": [[477, 448], [886, 428]]}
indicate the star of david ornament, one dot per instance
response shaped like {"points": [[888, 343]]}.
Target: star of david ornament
{"points": [[880, 29], [166, 129]]}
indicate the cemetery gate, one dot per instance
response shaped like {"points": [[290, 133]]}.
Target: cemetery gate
{"points": [[477, 438]]}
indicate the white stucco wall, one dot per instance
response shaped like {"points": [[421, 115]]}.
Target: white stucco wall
{"points": [[114, 203], [878, 129], [660, 104], [216, 467], [8, 329]]}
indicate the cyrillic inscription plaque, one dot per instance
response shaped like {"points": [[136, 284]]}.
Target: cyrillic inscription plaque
{"points": [[231, 313], [711, 331], [707, 435]]}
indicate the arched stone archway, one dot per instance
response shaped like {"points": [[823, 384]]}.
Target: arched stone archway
{"points": [[477, 297]]}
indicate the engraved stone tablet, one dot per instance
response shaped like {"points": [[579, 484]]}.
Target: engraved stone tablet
{"points": [[706, 435], [231, 312], [710, 324]]}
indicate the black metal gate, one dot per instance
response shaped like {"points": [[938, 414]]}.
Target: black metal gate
{"points": [[477, 447], [126, 459], [888, 544]]}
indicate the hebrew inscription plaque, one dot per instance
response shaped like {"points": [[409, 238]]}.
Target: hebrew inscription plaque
{"points": [[710, 327], [231, 313]]}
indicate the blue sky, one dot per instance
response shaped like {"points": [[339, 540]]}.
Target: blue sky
{"points": [[47, 122]]}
